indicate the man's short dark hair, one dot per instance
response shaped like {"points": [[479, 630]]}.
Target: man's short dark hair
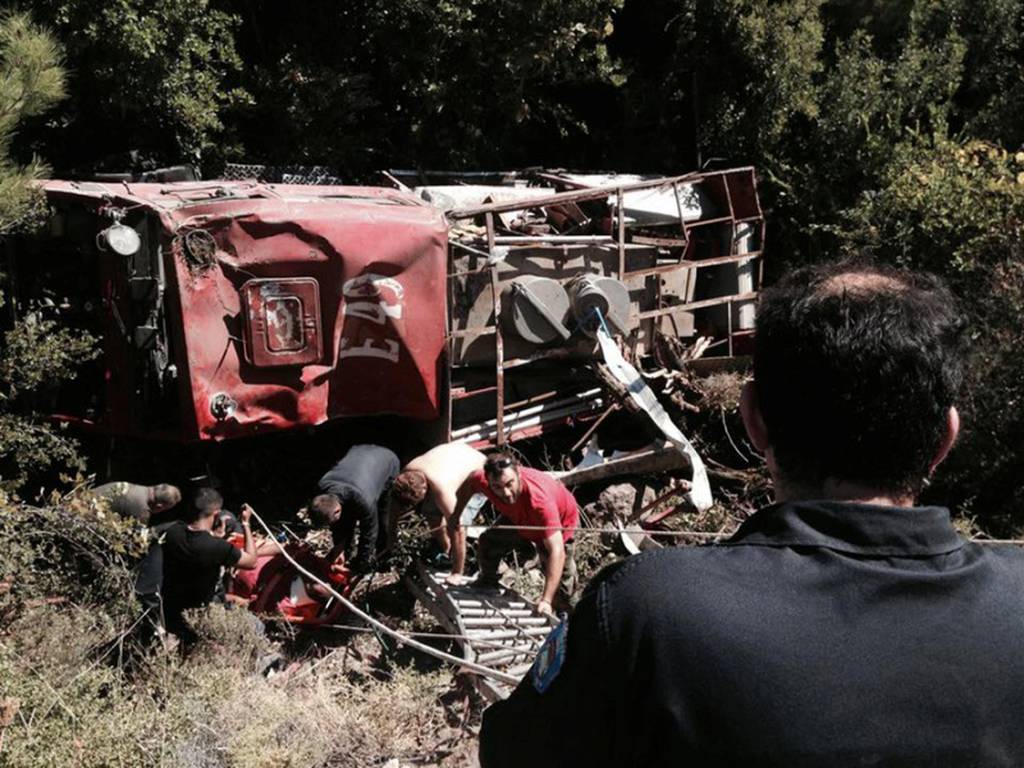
{"points": [[207, 502], [409, 489], [855, 368], [498, 462], [321, 508]]}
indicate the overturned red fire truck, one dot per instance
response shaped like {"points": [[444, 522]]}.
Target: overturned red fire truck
{"points": [[467, 305]]}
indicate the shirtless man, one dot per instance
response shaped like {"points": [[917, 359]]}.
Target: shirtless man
{"points": [[444, 471]]}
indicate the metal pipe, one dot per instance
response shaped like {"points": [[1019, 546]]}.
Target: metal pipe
{"points": [[533, 421], [533, 410], [551, 239], [499, 343], [498, 621], [590, 193]]}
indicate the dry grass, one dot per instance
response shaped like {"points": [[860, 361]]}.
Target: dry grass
{"points": [[721, 390], [210, 711]]}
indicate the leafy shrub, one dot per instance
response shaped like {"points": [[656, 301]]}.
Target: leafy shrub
{"points": [[957, 209]]}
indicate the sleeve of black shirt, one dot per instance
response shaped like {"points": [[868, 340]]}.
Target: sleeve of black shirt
{"points": [[367, 548], [568, 724], [228, 554]]}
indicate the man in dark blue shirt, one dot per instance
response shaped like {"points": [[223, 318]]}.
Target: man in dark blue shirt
{"points": [[843, 625], [350, 495]]}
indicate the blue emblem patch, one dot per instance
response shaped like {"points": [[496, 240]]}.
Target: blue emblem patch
{"points": [[549, 659]]}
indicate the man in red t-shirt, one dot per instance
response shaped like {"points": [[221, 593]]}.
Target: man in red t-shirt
{"points": [[532, 506]]}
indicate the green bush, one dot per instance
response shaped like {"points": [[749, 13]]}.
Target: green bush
{"points": [[957, 209]]}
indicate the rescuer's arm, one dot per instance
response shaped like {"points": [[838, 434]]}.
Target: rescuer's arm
{"points": [[555, 564], [337, 550], [248, 559], [451, 506], [367, 547]]}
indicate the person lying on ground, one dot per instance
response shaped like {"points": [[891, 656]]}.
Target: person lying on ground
{"points": [[352, 494], [843, 625], [140, 502], [193, 558], [532, 506], [444, 473]]}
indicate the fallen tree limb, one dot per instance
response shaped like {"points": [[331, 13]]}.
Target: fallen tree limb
{"points": [[664, 459]]}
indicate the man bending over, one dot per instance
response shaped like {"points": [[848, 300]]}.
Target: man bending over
{"points": [[445, 473], [351, 495]]}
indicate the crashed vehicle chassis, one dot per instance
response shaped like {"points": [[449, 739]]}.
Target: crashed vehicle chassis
{"points": [[228, 309]]}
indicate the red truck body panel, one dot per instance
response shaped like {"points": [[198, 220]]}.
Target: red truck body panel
{"points": [[291, 306]]}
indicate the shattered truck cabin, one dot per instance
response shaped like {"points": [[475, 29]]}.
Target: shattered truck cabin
{"points": [[228, 309], [231, 309]]}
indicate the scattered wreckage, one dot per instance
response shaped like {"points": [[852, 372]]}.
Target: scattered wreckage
{"points": [[485, 308]]}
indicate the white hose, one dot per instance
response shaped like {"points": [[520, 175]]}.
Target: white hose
{"points": [[480, 669]]}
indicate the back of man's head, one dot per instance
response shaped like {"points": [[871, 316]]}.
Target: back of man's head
{"points": [[207, 503], [323, 509], [855, 370], [164, 496], [409, 489]]}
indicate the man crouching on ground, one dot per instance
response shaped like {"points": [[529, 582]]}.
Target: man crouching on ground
{"points": [[193, 558], [353, 494], [532, 506]]}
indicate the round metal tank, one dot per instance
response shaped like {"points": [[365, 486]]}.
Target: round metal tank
{"points": [[536, 309], [606, 294]]}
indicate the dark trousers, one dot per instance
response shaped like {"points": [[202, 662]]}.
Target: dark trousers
{"points": [[149, 576], [495, 544]]}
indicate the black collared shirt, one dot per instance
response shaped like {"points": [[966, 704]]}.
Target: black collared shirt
{"points": [[821, 634]]}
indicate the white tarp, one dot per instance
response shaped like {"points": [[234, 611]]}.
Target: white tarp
{"points": [[700, 493], [653, 205]]}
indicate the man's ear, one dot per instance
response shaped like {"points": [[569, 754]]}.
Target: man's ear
{"points": [[750, 410], [952, 430]]}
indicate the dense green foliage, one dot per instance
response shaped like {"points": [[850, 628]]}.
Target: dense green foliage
{"points": [[145, 75], [870, 122], [35, 353], [957, 208], [31, 81]]}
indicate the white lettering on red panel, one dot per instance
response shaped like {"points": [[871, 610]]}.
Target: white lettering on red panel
{"points": [[375, 299]]}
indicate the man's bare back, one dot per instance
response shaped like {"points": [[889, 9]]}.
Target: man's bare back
{"points": [[447, 468], [442, 474]]}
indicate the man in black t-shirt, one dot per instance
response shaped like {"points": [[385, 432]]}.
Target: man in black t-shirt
{"points": [[351, 494], [193, 558]]}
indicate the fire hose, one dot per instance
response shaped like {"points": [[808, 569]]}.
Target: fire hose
{"points": [[480, 669]]}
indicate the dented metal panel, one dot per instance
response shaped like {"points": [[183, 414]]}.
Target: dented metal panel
{"points": [[379, 276], [280, 306]]}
